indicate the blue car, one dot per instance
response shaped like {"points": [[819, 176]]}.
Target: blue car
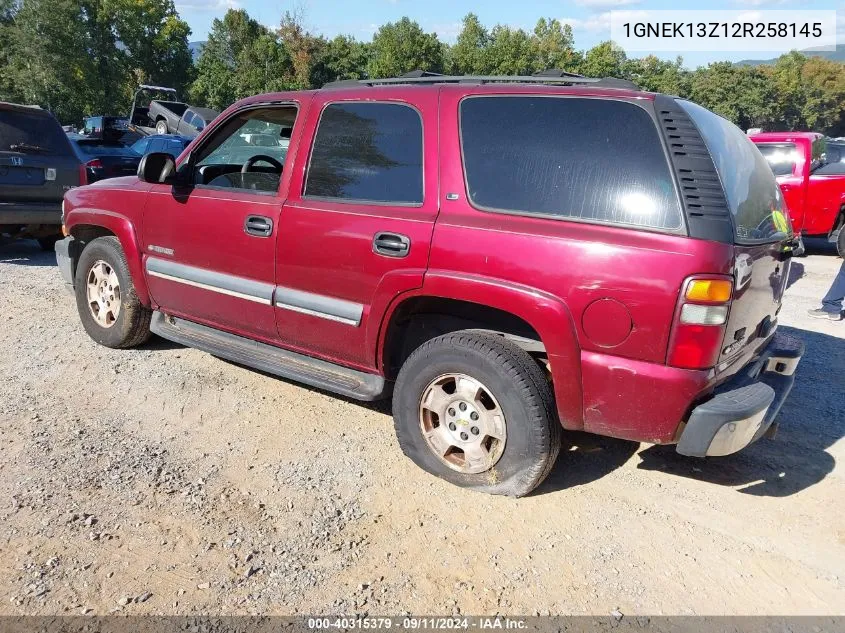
{"points": [[167, 143]]}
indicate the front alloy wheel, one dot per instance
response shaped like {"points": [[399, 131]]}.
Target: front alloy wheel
{"points": [[106, 300], [103, 292]]}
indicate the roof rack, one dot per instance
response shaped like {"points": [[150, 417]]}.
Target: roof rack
{"points": [[542, 77]]}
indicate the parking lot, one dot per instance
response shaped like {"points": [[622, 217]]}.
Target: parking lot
{"points": [[164, 480]]}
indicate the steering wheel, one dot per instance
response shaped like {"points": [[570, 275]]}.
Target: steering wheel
{"points": [[259, 158]]}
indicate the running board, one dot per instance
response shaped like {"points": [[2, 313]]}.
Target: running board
{"points": [[273, 360]]}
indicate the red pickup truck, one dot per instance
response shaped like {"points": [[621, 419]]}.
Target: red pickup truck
{"points": [[814, 188], [508, 257]]}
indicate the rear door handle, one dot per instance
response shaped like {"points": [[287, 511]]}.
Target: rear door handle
{"points": [[258, 225], [391, 244]]}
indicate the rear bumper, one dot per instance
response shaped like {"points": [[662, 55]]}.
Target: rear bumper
{"points": [[31, 213], [743, 410]]}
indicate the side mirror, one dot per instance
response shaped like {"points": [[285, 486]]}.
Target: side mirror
{"points": [[157, 168]]}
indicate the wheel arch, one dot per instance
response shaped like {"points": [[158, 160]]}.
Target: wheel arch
{"points": [[531, 318], [87, 225]]}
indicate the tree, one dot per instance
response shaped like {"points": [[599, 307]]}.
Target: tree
{"points": [[823, 82], [789, 98], [510, 52], [554, 46], [262, 66], [8, 9], [153, 38], [657, 75], [218, 81], [742, 94], [469, 54], [604, 60], [305, 51], [344, 57], [400, 47], [52, 60]]}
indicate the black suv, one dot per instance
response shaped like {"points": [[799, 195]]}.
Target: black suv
{"points": [[37, 166]]}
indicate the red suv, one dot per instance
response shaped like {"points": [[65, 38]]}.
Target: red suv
{"points": [[508, 256]]}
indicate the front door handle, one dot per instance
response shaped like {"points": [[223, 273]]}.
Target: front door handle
{"points": [[258, 225], [391, 244]]}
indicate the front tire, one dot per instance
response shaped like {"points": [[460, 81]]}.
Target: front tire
{"points": [[476, 410], [108, 305]]}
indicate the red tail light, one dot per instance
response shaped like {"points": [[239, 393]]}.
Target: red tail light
{"points": [[95, 163], [83, 175], [700, 321]]}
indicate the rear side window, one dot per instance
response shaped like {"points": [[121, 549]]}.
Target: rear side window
{"points": [[780, 156], [598, 160], [369, 152], [754, 197], [32, 133]]}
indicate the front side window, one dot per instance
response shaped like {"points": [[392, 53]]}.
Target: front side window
{"points": [[367, 152], [780, 156], [247, 152], [753, 195], [596, 160]]}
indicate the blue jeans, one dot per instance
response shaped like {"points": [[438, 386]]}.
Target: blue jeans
{"points": [[832, 301]]}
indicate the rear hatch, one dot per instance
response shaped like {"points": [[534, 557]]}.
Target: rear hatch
{"points": [[37, 163], [761, 234]]}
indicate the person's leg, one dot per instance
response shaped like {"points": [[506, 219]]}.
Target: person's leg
{"points": [[832, 301]]}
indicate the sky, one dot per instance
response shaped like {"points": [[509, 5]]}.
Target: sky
{"points": [[590, 19]]}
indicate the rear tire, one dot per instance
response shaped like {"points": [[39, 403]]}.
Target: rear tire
{"points": [[161, 126], [106, 300], [501, 378]]}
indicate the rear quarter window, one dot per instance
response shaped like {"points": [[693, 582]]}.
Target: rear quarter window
{"points": [[597, 160], [753, 194]]}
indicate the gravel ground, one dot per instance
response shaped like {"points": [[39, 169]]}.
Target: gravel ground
{"points": [[163, 480]]}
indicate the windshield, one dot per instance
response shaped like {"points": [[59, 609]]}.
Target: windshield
{"points": [[753, 194], [780, 156], [34, 132]]}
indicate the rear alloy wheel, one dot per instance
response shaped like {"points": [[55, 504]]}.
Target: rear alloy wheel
{"points": [[161, 127], [476, 410], [108, 305], [462, 423]]}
